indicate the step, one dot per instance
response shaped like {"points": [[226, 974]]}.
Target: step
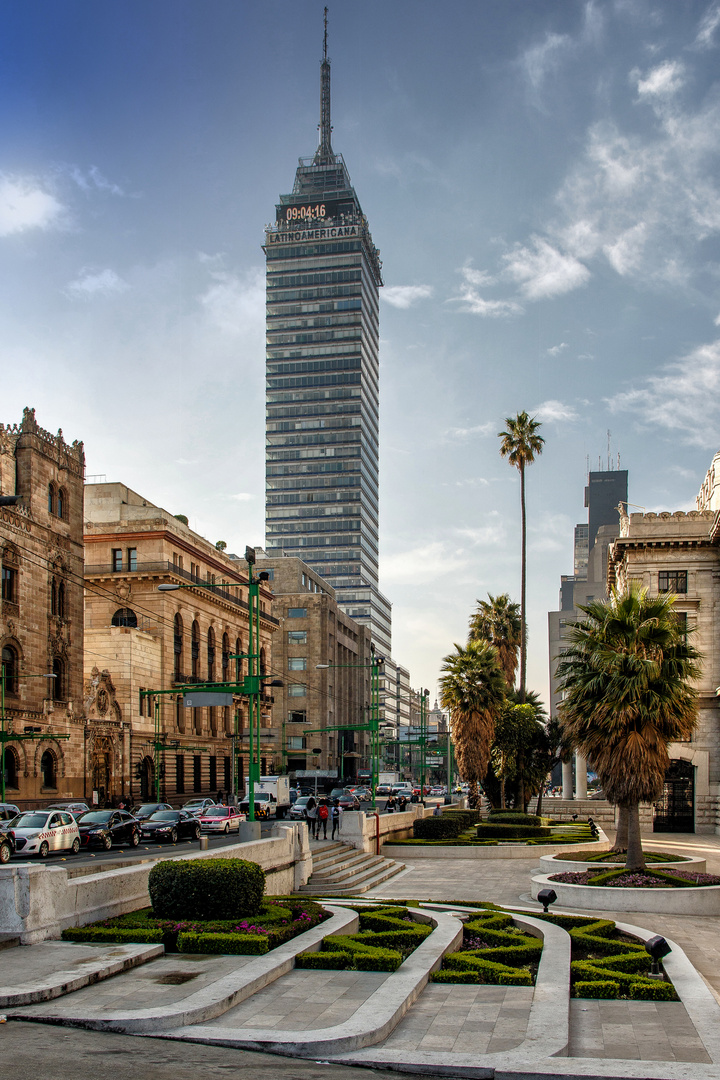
{"points": [[355, 872], [320, 857], [356, 862], [350, 888]]}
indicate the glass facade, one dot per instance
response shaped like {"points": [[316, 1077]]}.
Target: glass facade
{"points": [[323, 275]]}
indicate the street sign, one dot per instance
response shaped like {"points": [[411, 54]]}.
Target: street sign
{"points": [[201, 698], [315, 772]]}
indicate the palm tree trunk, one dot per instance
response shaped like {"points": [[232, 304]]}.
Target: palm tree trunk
{"points": [[635, 859], [502, 792], [538, 808], [523, 575], [472, 793], [621, 836]]}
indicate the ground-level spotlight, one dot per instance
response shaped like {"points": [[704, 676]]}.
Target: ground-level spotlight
{"points": [[547, 897], [657, 947]]}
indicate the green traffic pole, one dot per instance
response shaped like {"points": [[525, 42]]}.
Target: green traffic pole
{"points": [[157, 750], [2, 735], [251, 697]]}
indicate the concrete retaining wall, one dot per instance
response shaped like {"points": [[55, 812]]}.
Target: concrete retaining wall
{"points": [[703, 900], [39, 902], [362, 831], [556, 864]]}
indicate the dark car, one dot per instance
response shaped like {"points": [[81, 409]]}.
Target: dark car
{"points": [[298, 811], [349, 802], [7, 846], [107, 827], [141, 813], [8, 811], [171, 825]]}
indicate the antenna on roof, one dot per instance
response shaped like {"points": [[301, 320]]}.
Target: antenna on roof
{"points": [[324, 151]]}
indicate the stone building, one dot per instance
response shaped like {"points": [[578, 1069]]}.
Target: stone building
{"points": [[315, 631], [680, 553], [41, 613], [139, 639]]}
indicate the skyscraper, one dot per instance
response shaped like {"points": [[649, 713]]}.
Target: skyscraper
{"points": [[323, 275]]}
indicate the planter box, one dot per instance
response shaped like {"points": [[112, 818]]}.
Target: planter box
{"points": [[556, 864], [698, 900], [500, 851]]}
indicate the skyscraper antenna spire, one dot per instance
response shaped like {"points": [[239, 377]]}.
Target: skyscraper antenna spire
{"points": [[324, 151]]}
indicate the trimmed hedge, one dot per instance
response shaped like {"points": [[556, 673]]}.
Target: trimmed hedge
{"points": [[102, 933], [438, 828], [206, 888], [512, 832], [235, 944], [381, 945], [501, 962], [468, 817], [325, 961], [604, 988], [513, 817], [487, 971]]}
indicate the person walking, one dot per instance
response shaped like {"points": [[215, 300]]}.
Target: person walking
{"points": [[311, 812], [390, 804], [336, 816], [323, 815], [402, 803], [219, 798]]}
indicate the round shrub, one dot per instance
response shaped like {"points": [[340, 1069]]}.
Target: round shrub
{"points": [[206, 888], [513, 817]]}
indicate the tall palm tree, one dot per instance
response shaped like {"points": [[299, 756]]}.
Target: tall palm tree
{"points": [[497, 620], [627, 678], [520, 445], [472, 689]]}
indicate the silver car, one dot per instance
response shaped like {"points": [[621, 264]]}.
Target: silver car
{"points": [[38, 832]]}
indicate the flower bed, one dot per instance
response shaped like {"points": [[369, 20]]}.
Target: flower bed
{"points": [[279, 920], [637, 879], [494, 951], [432, 831], [619, 857], [388, 934]]}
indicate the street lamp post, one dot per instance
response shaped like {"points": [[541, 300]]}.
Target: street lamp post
{"points": [[29, 733]]}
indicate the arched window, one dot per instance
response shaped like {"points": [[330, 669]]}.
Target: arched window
{"points": [[263, 663], [58, 690], [225, 658], [10, 668], [61, 600], [53, 597], [124, 616], [195, 651], [238, 650], [211, 655], [51, 498], [48, 768], [213, 719], [11, 766], [61, 505], [178, 648]]}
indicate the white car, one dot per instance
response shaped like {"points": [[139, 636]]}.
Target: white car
{"points": [[222, 819], [197, 807], [38, 832]]}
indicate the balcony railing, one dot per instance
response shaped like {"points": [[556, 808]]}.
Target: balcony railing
{"points": [[165, 568]]}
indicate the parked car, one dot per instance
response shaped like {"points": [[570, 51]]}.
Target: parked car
{"points": [[103, 828], [264, 804], [171, 825], [8, 811], [297, 811], [337, 792], [362, 793], [196, 807], [38, 832], [74, 808], [349, 802], [7, 845], [221, 819], [142, 813], [382, 791]]}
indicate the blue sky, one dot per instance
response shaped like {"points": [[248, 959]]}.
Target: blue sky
{"points": [[541, 179]]}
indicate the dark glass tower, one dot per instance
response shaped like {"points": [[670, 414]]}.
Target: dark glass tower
{"points": [[323, 279]]}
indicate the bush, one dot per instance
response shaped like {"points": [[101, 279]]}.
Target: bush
{"points": [[113, 933], [235, 944], [653, 990], [438, 828], [602, 989], [512, 817], [326, 961], [451, 976], [405, 940], [468, 817], [489, 971], [513, 832], [206, 888]]}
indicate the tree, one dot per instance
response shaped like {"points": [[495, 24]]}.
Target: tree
{"points": [[520, 754], [520, 445], [472, 689], [497, 620], [627, 679]]}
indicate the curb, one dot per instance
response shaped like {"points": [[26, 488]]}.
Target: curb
{"points": [[100, 963], [212, 1000]]}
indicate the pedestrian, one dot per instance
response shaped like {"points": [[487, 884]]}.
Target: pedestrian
{"points": [[336, 815], [311, 812], [219, 797], [323, 815], [390, 805], [402, 803]]}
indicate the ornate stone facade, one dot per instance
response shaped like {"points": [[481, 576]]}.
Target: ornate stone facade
{"points": [[41, 612]]}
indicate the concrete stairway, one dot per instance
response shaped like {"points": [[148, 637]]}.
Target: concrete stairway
{"points": [[341, 870]]}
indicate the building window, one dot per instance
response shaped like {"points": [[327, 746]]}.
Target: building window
{"points": [[9, 584], [195, 651], [304, 579], [213, 773], [297, 637], [225, 658], [61, 600], [674, 581], [296, 742], [227, 762], [197, 773], [132, 558], [124, 616], [297, 613], [53, 597], [180, 774], [180, 713], [117, 560], [10, 765], [178, 648], [270, 574], [61, 504], [211, 655], [681, 618], [212, 711], [10, 669], [58, 690], [297, 663], [297, 716], [263, 662], [48, 768], [297, 690], [51, 498], [142, 707]]}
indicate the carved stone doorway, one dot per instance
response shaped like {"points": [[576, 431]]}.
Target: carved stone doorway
{"points": [[102, 770]]}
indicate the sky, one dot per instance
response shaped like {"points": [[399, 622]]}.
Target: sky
{"points": [[541, 178]]}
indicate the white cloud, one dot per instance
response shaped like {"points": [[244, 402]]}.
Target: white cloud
{"points": [[455, 433], [717, 320], [404, 296], [662, 81], [540, 60], [684, 400], [553, 411], [93, 179], [243, 496], [543, 271], [421, 565], [101, 283], [707, 28], [25, 205], [234, 304], [471, 301], [555, 350]]}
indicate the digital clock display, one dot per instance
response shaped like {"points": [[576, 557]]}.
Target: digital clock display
{"points": [[311, 213]]}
